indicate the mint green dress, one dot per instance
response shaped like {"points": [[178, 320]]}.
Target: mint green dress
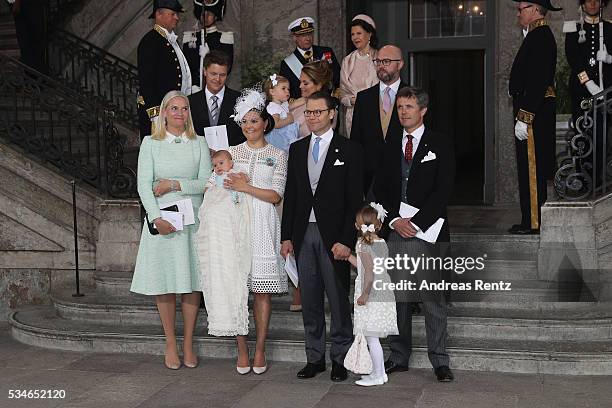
{"points": [[169, 263]]}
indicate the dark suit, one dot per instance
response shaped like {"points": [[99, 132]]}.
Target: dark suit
{"points": [[200, 114], [159, 72], [429, 186], [336, 200], [318, 53], [531, 86], [367, 130], [193, 53]]}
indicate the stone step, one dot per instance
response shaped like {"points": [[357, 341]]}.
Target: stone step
{"points": [[41, 327], [143, 312], [495, 246]]}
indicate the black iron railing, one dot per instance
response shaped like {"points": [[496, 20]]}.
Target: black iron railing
{"points": [[91, 71], [585, 171], [60, 126]]}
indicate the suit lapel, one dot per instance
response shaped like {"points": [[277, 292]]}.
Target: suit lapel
{"points": [[227, 108], [299, 56], [204, 109], [421, 151], [330, 159], [303, 163]]}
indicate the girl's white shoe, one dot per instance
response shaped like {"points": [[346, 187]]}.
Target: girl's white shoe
{"points": [[371, 380]]}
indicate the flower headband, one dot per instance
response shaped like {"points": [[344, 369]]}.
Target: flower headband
{"points": [[381, 212], [273, 79]]}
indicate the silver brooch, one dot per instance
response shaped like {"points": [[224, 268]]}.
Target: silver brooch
{"points": [[270, 161], [177, 140]]}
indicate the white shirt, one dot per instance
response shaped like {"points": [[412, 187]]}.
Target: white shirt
{"points": [[324, 143], [219, 95], [394, 88], [417, 134], [304, 52], [185, 71], [171, 138]]}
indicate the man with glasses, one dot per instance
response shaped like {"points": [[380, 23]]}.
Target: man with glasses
{"points": [[302, 30], [533, 95], [322, 195], [375, 115]]}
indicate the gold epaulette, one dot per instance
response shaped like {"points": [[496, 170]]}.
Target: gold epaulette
{"points": [[525, 117], [160, 31], [550, 92], [153, 112], [140, 100], [538, 23]]}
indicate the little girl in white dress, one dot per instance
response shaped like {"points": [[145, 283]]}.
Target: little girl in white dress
{"points": [[374, 303], [285, 131]]}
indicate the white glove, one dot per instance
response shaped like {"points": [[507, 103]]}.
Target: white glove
{"points": [[520, 130], [592, 87], [603, 56]]}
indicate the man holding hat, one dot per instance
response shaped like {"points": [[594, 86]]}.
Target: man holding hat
{"points": [[302, 30], [208, 12], [162, 67], [533, 95]]}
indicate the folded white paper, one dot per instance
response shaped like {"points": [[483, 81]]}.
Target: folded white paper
{"points": [[431, 235], [291, 269], [185, 207], [174, 218], [216, 137]]}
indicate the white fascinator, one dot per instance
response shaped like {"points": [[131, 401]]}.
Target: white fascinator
{"points": [[249, 99]]}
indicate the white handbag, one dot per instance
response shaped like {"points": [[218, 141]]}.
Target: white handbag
{"points": [[358, 359]]}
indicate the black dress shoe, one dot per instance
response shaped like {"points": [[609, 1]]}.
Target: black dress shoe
{"points": [[392, 367], [444, 374], [338, 372], [519, 229], [310, 370]]}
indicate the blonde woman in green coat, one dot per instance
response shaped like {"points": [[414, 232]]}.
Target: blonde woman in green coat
{"points": [[173, 164]]}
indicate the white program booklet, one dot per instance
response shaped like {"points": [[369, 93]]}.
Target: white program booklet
{"points": [[431, 235], [216, 137], [291, 269], [174, 218], [185, 207]]}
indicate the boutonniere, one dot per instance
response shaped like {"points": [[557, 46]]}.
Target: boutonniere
{"points": [[270, 161], [327, 56]]}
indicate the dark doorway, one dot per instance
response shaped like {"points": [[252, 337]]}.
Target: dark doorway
{"points": [[455, 83]]}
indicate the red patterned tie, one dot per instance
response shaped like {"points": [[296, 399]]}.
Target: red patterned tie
{"points": [[408, 151]]}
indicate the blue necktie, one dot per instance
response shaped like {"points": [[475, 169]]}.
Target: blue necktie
{"points": [[315, 150]]}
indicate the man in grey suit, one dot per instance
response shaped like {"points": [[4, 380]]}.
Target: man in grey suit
{"points": [[322, 195], [417, 168]]}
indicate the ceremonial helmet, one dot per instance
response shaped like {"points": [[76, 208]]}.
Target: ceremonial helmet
{"points": [[217, 7]]}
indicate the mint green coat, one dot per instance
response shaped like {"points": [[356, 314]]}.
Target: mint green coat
{"points": [[169, 263]]}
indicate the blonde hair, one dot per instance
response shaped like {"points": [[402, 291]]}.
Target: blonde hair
{"points": [[366, 216], [320, 73], [159, 125], [267, 85]]}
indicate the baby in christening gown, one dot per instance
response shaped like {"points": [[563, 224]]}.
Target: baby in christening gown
{"points": [[224, 250]]}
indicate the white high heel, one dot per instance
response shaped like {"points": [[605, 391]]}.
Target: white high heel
{"points": [[260, 370], [243, 370]]}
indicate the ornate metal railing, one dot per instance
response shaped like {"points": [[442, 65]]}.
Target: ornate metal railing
{"points": [[585, 172], [95, 73], [61, 127]]}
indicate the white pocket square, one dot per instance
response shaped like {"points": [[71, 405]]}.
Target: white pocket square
{"points": [[338, 163], [430, 156]]}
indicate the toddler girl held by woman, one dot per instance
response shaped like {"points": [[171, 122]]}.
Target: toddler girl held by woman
{"points": [[374, 314], [285, 129]]}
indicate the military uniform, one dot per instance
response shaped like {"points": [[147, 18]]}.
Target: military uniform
{"points": [[159, 72], [195, 51], [532, 89]]}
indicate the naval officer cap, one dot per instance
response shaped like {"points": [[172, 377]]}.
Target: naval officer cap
{"points": [[302, 25], [544, 3], [173, 5]]}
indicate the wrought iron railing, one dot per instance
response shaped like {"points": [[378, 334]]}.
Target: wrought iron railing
{"points": [[586, 169], [59, 126], [90, 70]]}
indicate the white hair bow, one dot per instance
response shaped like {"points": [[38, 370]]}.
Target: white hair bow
{"points": [[382, 213], [273, 79], [367, 228]]}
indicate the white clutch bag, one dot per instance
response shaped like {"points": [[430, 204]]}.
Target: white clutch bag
{"points": [[358, 358]]}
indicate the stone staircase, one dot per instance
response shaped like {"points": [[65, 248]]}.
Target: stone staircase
{"points": [[8, 36], [528, 330]]}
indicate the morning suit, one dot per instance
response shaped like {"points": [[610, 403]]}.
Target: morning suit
{"points": [[367, 130], [426, 183], [320, 203], [201, 114]]}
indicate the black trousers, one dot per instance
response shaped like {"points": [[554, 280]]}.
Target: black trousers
{"points": [[30, 24]]}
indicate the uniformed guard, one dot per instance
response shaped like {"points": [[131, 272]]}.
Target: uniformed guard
{"points": [[532, 89], [302, 30], [582, 49], [162, 67], [208, 12]]}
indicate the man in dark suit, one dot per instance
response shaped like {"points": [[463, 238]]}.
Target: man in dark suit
{"points": [[418, 168], [322, 196], [302, 30], [162, 67], [214, 39], [214, 105], [532, 87], [375, 115]]}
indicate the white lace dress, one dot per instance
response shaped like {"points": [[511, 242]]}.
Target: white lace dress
{"points": [[378, 317], [267, 169]]}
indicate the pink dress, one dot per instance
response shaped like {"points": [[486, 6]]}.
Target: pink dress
{"points": [[357, 73]]}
